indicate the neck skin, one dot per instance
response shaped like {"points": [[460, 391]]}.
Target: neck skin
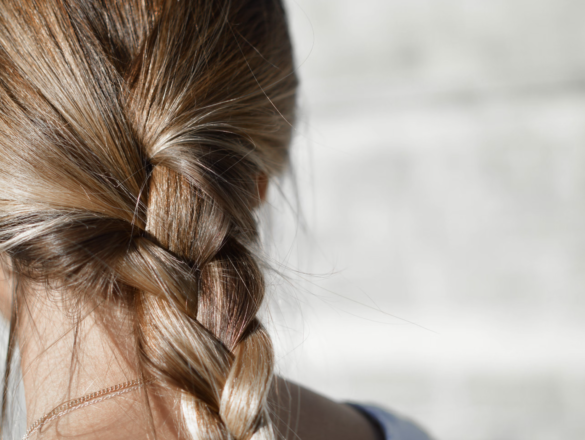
{"points": [[61, 362]]}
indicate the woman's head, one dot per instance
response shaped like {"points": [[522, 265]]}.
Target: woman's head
{"points": [[133, 135]]}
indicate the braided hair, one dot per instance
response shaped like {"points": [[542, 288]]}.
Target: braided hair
{"points": [[132, 137]]}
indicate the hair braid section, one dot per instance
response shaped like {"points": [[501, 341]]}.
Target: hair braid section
{"points": [[196, 310], [251, 369]]}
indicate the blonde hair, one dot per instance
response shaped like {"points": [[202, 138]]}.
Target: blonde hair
{"points": [[132, 137]]}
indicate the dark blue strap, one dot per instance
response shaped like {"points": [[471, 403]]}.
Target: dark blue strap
{"points": [[393, 427]]}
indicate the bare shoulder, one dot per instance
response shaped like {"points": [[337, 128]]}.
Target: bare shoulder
{"points": [[302, 414]]}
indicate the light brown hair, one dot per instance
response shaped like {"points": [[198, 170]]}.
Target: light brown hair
{"points": [[132, 137]]}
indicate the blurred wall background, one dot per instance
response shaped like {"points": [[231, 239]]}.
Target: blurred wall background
{"points": [[440, 161]]}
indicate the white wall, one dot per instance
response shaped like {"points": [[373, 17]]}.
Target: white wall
{"points": [[441, 169]]}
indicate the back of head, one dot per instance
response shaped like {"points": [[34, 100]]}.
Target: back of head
{"points": [[132, 137]]}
